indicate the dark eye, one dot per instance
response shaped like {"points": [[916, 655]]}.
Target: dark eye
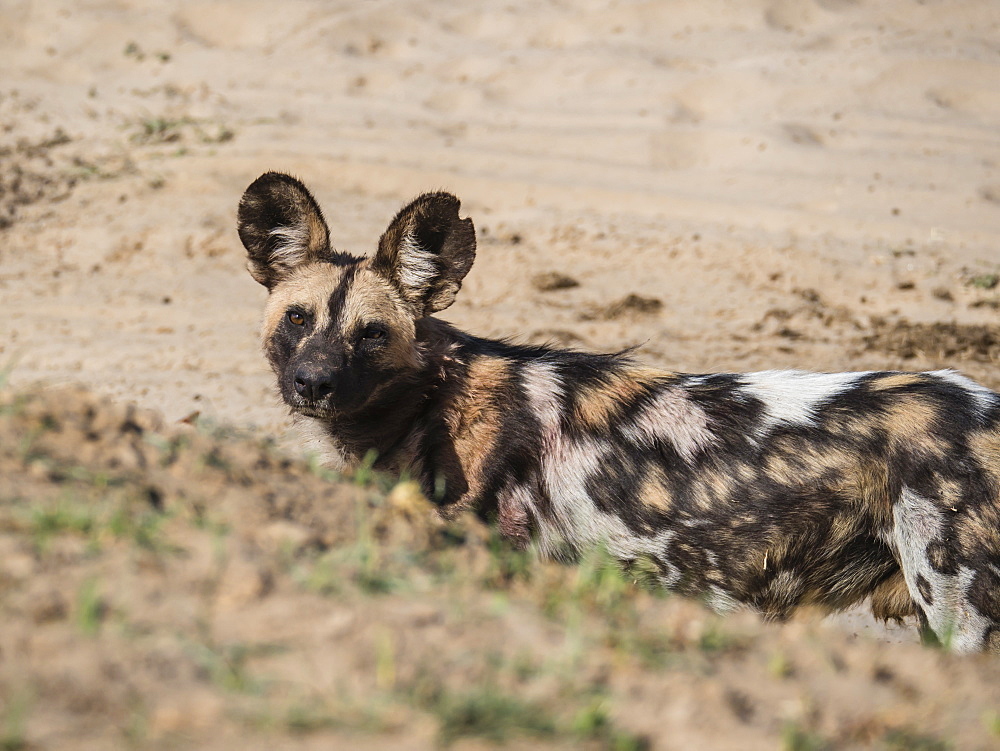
{"points": [[296, 318], [373, 332]]}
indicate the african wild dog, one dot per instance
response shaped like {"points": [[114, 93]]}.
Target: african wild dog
{"points": [[773, 489]]}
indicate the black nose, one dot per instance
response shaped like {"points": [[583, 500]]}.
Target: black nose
{"points": [[313, 382]]}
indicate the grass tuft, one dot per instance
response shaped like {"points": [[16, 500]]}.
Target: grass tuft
{"points": [[903, 739], [985, 281], [15, 715], [490, 714], [796, 738], [227, 666], [594, 723], [90, 608]]}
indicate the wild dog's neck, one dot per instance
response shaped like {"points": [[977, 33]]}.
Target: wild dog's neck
{"points": [[394, 422]]}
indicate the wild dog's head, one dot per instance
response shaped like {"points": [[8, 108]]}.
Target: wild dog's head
{"points": [[339, 330]]}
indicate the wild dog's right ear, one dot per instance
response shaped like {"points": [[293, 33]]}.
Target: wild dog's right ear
{"points": [[281, 227], [426, 252]]}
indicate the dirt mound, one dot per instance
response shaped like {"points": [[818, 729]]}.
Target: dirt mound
{"points": [[26, 175], [939, 340], [189, 587]]}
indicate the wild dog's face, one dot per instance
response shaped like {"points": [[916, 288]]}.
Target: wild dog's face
{"points": [[338, 329]]}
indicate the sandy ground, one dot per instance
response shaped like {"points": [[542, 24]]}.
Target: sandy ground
{"points": [[734, 185]]}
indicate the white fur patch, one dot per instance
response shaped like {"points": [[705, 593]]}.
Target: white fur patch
{"points": [[575, 523], [416, 266], [969, 625], [319, 443], [721, 601], [669, 574], [543, 389], [575, 520], [671, 416], [292, 245], [790, 397]]}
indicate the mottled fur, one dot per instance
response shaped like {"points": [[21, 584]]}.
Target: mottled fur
{"points": [[773, 490]]}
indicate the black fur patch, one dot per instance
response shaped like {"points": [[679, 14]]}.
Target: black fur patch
{"points": [[924, 588]]}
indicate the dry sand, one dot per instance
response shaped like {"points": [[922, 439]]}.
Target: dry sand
{"points": [[734, 185]]}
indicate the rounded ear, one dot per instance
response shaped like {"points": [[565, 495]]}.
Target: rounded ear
{"points": [[281, 226], [426, 252]]}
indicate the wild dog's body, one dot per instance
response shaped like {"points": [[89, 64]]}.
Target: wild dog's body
{"points": [[773, 489]]}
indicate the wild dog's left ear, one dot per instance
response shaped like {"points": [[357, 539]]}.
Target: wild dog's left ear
{"points": [[281, 227], [426, 252]]}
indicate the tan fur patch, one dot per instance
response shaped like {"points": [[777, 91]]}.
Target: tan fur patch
{"points": [[487, 375], [891, 599], [867, 482], [864, 480], [649, 376], [910, 421], [843, 527], [475, 422], [371, 299], [319, 236], [598, 404], [653, 493], [795, 464], [985, 446], [980, 528], [308, 287], [858, 425], [721, 483], [896, 381]]}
